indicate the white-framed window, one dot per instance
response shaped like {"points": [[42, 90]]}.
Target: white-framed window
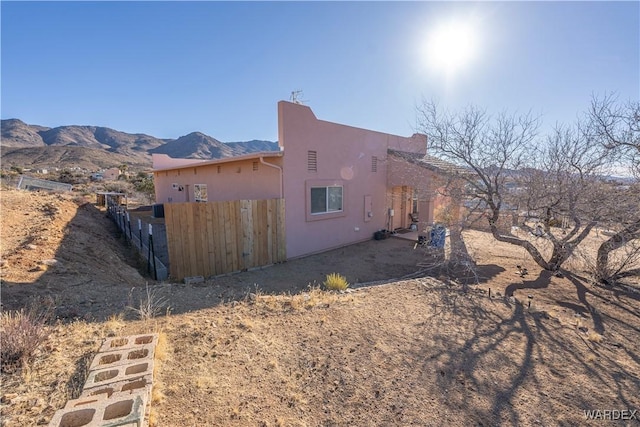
{"points": [[200, 192], [326, 199]]}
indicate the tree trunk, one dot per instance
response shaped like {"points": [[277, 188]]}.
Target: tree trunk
{"points": [[459, 251], [528, 246], [614, 242], [562, 248]]}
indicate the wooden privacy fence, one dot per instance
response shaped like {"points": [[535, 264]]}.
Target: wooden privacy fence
{"points": [[207, 239]]}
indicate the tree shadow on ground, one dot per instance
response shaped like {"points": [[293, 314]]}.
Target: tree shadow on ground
{"points": [[544, 280], [465, 272], [541, 282], [499, 350]]}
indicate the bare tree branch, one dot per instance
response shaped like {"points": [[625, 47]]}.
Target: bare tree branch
{"points": [[554, 182]]}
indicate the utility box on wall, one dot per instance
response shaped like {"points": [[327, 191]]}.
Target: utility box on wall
{"points": [[368, 208]]}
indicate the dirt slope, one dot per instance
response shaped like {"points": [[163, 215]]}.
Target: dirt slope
{"points": [[261, 348], [60, 246]]}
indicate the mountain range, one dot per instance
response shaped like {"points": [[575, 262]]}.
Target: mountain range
{"points": [[95, 147]]}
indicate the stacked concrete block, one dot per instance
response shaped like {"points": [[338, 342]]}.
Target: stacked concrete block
{"points": [[101, 411], [132, 341], [122, 357], [117, 391]]}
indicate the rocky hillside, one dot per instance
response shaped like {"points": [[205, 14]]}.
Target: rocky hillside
{"points": [[38, 146], [253, 146], [16, 133], [196, 145], [69, 156]]}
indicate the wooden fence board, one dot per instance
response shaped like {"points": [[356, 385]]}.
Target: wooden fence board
{"points": [[192, 246], [210, 243], [247, 232], [218, 215], [170, 222], [208, 239], [174, 242], [237, 235], [262, 220], [255, 218], [199, 242], [282, 244], [269, 231], [226, 213]]}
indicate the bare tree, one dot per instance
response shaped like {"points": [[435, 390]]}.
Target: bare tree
{"points": [[616, 127], [559, 179], [457, 219], [623, 227]]}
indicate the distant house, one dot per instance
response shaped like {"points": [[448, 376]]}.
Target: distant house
{"points": [[111, 174], [340, 183]]}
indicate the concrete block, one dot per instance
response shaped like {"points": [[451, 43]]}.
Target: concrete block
{"points": [[193, 279], [109, 412], [138, 385], [131, 341], [101, 377], [101, 396], [122, 357]]}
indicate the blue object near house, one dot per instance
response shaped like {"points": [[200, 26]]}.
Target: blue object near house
{"points": [[437, 236]]}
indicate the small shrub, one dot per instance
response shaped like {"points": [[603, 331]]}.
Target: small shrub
{"points": [[21, 333], [336, 282], [151, 304]]}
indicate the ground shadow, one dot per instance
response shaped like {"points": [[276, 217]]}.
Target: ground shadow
{"points": [[541, 282], [76, 382], [98, 274], [478, 349], [90, 275]]}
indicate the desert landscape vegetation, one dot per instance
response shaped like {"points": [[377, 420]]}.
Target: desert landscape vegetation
{"points": [[272, 347], [348, 214], [535, 323]]}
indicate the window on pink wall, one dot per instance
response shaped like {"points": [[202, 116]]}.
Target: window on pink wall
{"points": [[324, 199]]}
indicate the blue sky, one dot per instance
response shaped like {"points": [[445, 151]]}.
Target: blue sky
{"points": [[170, 68]]}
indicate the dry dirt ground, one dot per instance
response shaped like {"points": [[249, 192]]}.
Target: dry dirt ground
{"points": [[269, 347]]}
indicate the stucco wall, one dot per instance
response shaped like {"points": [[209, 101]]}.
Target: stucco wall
{"points": [[225, 181], [344, 157]]}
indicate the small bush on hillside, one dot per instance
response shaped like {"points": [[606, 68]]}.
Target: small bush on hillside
{"points": [[336, 282], [21, 333]]}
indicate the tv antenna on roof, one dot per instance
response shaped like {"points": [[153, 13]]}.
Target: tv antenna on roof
{"points": [[296, 97]]}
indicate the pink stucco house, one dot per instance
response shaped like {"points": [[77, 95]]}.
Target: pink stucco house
{"points": [[340, 183]]}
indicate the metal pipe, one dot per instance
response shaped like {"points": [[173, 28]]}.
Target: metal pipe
{"points": [[280, 175]]}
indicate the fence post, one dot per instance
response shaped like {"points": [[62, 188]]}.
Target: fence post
{"points": [[129, 226], [151, 255]]}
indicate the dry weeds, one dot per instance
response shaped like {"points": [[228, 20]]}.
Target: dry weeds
{"points": [[414, 352]]}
